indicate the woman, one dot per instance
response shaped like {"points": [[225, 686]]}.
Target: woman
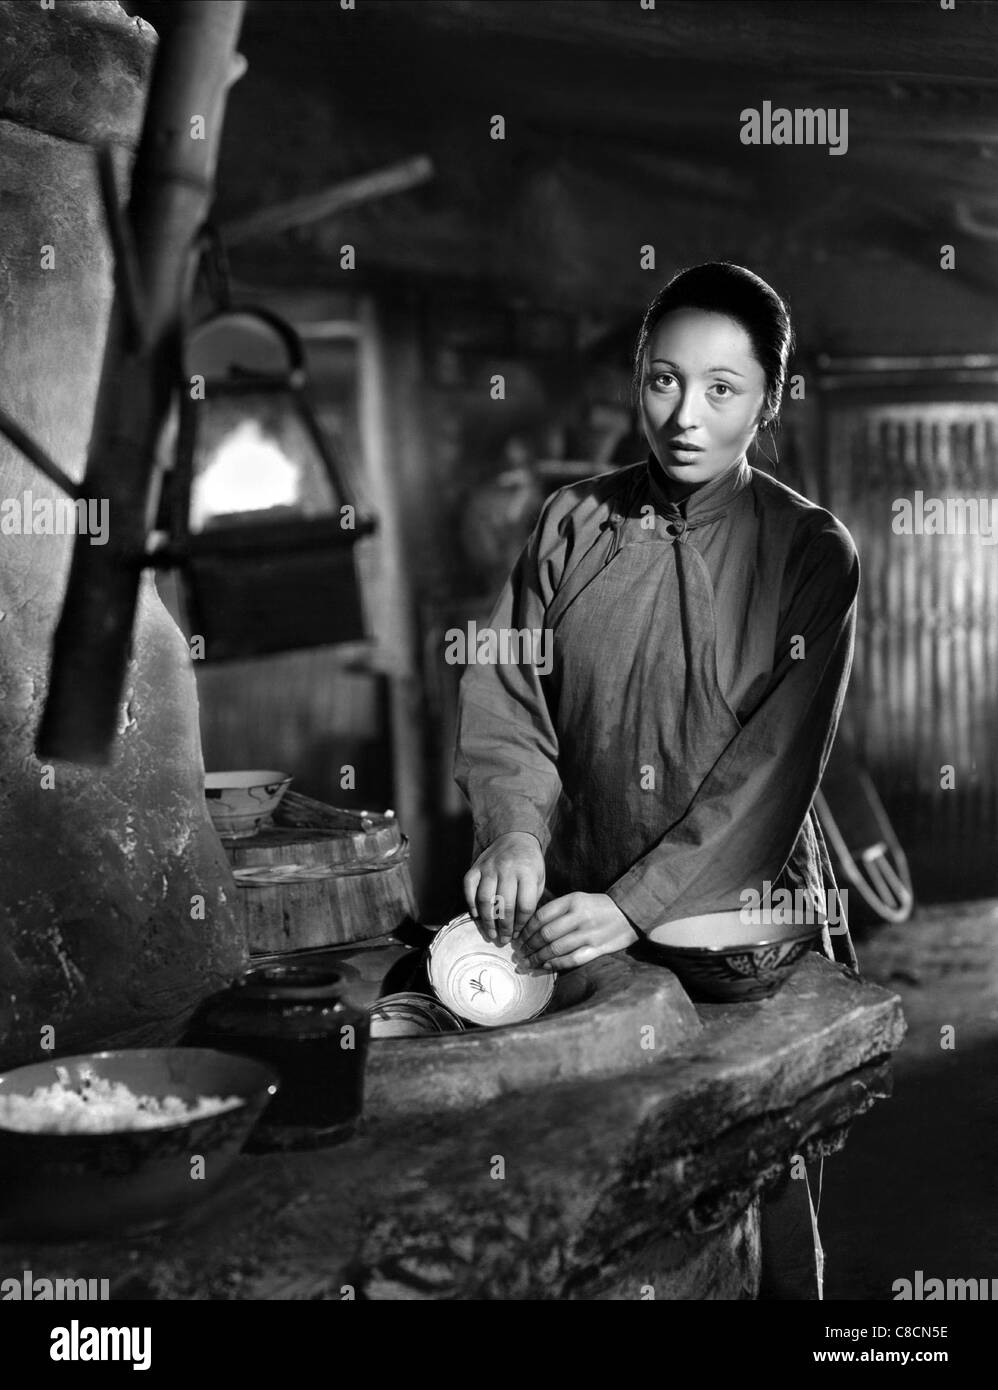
{"points": [[700, 619]]}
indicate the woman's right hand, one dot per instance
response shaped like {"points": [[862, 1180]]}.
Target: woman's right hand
{"points": [[504, 885]]}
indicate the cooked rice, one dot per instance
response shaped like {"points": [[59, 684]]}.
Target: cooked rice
{"points": [[95, 1105]]}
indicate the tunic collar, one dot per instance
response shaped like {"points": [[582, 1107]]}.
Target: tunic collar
{"points": [[708, 501]]}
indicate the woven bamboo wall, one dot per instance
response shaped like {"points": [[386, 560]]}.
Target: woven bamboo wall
{"points": [[924, 690]]}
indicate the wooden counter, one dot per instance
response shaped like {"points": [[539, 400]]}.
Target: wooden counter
{"points": [[596, 1189]]}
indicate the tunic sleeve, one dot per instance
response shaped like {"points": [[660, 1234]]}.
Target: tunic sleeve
{"points": [[506, 747], [742, 824]]}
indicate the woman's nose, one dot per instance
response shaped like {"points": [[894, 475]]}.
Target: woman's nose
{"points": [[684, 416]]}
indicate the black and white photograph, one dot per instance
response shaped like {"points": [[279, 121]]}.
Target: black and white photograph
{"points": [[498, 673]]}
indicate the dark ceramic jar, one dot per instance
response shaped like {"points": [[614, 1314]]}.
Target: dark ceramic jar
{"points": [[299, 1019]]}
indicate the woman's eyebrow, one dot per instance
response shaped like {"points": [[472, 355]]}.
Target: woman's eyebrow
{"points": [[664, 361]]}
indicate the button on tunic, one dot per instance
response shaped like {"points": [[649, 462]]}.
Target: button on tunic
{"points": [[668, 752]]}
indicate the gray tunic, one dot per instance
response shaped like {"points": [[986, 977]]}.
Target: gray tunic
{"points": [[699, 653]]}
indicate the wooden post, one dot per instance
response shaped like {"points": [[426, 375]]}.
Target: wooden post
{"points": [[172, 188], [386, 419]]}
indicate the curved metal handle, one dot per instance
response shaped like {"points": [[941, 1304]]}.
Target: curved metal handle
{"points": [[896, 905]]}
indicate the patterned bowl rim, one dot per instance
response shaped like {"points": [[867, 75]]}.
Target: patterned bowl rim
{"points": [[803, 933], [446, 933], [421, 1003], [267, 777]]}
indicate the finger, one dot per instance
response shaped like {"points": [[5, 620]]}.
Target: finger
{"points": [[505, 907], [527, 894], [551, 909], [581, 956], [484, 899], [549, 912], [573, 940], [542, 931], [470, 884], [551, 931]]}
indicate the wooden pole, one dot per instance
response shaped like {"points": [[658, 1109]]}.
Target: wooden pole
{"points": [[383, 420], [172, 189], [313, 207]]}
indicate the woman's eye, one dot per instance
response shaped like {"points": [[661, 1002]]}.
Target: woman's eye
{"points": [[722, 388], [663, 378]]}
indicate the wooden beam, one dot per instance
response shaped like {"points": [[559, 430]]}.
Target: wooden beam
{"points": [[906, 37], [313, 207]]}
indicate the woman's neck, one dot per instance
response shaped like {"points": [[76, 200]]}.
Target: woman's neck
{"points": [[678, 491]]}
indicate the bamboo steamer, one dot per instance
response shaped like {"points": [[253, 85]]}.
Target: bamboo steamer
{"points": [[321, 876]]}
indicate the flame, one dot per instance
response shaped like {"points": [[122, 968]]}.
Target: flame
{"points": [[248, 472]]}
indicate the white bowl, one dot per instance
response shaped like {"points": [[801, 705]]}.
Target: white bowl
{"points": [[242, 803], [484, 983], [411, 1015], [739, 927]]}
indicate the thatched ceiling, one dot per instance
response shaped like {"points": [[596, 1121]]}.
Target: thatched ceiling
{"points": [[622, 127]]}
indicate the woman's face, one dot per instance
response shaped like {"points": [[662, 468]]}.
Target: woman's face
{"points": [[702, 393]]}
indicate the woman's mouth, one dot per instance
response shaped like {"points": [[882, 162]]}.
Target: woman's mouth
{"points": [[680, 446]]}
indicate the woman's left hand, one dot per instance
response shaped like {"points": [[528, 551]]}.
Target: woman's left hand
{"points": [[574, 929]]}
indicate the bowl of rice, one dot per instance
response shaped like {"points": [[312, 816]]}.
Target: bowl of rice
{"points": [[113, 1143]]}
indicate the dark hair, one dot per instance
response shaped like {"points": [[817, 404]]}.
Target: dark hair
{"points": [[723, 288]]}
